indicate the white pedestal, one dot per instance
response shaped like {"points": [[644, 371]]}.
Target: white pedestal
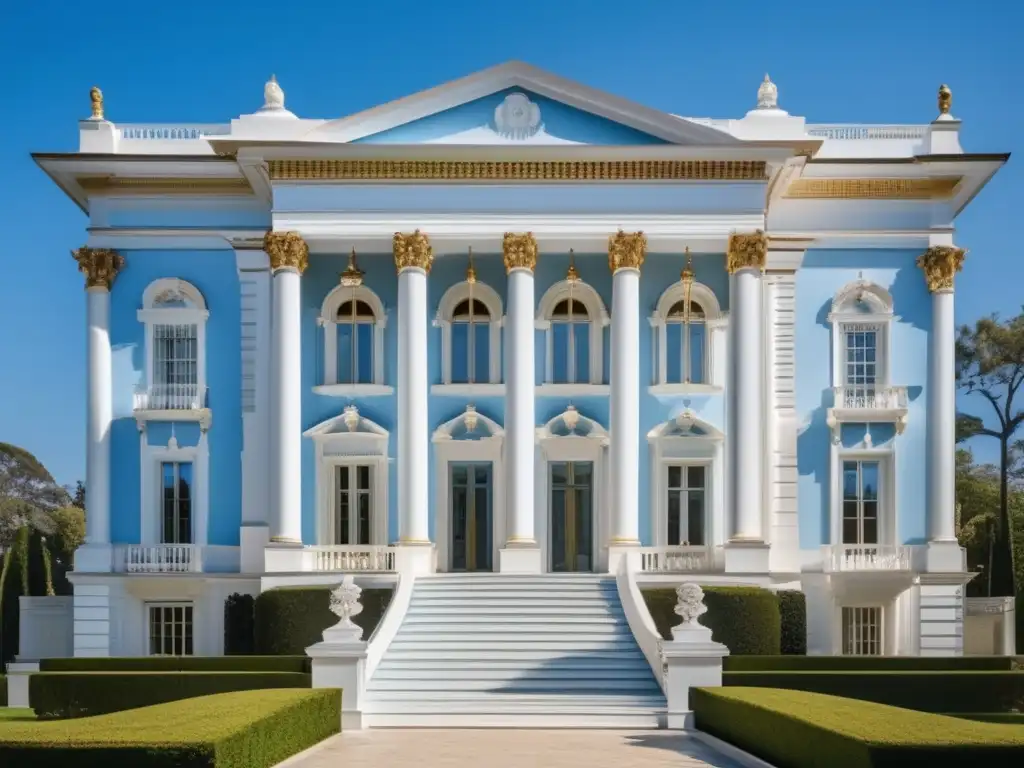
{"points": [[747, 557], [415, 559], [694, 660], [253, 540], [944, 557], [519, 560], [94, 558], [285, 558], [18, 673], [340, 662]]}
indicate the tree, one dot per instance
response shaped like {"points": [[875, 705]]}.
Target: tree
{"points": [[78, 496], [990, 364]]}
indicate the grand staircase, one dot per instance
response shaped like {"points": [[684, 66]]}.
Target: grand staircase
{"points": [[496, 650]]}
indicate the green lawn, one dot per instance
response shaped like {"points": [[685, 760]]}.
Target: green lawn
{"points": [[16, 714]]}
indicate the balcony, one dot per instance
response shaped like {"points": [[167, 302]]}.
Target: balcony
{"points": [[868, 404], [171, 402], [362, 559], [866, 558], [678, 559], [158, 558]]}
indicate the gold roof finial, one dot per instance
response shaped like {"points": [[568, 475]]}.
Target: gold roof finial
{"points": [[687, 275], [470, 269], [96, 97], [352, 277], [945, 99], [572, 275]]}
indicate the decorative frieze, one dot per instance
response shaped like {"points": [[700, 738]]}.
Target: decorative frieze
{"points": [[519, 251], [934, 188], [99, 265], [412, 251], [287, 250], [747, 251], [626, 250], [940, 263]]}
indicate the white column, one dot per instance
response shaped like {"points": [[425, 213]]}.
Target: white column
{"points": [[413, 258], [289, 258], [521, 552], [625, 257], [100, 267]]}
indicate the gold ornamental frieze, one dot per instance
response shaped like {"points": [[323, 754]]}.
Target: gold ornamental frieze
{"points": [[626, 250], [940, 263], [286, 250], [99, 265], [746, 251], [937, 188], [519, 251], [412, 250]]}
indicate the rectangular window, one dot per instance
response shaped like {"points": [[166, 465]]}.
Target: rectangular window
{"points": [[860, 502], [176, 525], [471, 358], [684, 355], [170, 629], [175, 358], [861, 357], [570, 352], [355, 353], [687, 500], [354, 505], [862, 631]]}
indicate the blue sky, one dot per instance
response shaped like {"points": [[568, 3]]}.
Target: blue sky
{"points": [[833, 62]]}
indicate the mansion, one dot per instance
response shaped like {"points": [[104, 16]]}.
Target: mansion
{"points": [[515, 325]]}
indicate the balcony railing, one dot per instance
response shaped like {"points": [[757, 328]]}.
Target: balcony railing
{"points": [[159, 558], [353, 558], [171, 397], [839, 132], [871, 398], [171, 131], [845, 558], [678, 559]]}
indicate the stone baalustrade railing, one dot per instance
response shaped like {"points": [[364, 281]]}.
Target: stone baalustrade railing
{"points": [[846, 558], [678, 559], [158, 558], [371, 558], [870, 397], [851, 132], [170, 397], [171, 131]]}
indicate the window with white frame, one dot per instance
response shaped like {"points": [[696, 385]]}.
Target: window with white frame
{"points": [[470, 315], [353, 320], [176, 497], [174, 313], [860, 504], [686, 486], [170, 629], [862, 631], [686, 341], [574, 317], [354, 324], [353, 508], [861, 318], [689, 336]]}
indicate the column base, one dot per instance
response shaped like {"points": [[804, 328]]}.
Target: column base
{"points": [[285, 557], [747, 556], [521, 557], [94, 558], [944, 557], [254, 538], [619, 550], [416, 559]]}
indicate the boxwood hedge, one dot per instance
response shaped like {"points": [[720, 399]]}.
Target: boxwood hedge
{"points": [[745, 619], [3, 691], [179, 664], [251, 729], [80, 694], [807, 730], [290, 619], [868, 663], [793, 621]]}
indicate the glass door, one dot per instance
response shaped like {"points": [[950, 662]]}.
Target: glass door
{"points": [[572, 503], [471, 517]]}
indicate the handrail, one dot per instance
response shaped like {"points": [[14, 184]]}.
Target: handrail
{"points": [[388, 626], [639, 619]]}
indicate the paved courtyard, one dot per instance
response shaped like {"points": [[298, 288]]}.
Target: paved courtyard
{"points": [[511, 748]]}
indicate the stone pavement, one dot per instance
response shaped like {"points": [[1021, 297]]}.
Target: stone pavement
{"points": [[510, 748]]}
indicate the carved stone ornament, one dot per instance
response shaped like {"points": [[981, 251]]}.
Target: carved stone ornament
{"points": [[345, 602], [945, 99], [519, 251], [96, 99], [626, 250], [273, 96], [287, 250], [352, 418], [747, 251], [940, 264], [690, 603], [99, 265], [767, 94], [517, 117], [412, 251]]}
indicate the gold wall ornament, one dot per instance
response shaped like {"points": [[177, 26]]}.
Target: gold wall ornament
{"points": [[945, 99], [626, 250], [935, 188], [940, 263], [412, 250], [747, 251], [99, 265], [519, 251], [352, 277], [96, 98], [287, 250]]}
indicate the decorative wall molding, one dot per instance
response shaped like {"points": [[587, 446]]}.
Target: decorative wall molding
{"points": [[874, 189]]}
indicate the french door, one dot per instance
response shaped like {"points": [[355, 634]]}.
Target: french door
{"points": [[471, 492], [572, 518], [353, 504]]}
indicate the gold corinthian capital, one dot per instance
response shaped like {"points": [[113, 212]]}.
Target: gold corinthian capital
{"points": [[626, 250], [99, 265], [519, 250], [412, 251], [287, 250], [940, 263], [746, 251]]}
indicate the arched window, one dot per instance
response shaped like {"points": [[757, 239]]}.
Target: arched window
{"points": [[573, 316], [469, 315], [689, 337], [354, 325], [174, 313], [353, 319], [861, 316], [686, 342]]}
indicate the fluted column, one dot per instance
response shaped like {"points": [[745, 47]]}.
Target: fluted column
{"points": [[100, 267], [521, 552], [940, 264], [413, 258], [289, 257], [625, 256], [745, 262]]}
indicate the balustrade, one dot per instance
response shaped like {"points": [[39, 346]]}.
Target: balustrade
{"points": [[870, 397], [170, 397], [353, 558], [159, 558], [677, 559], [866, 557]]}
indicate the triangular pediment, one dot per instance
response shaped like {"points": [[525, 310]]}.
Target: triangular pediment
{"points": [[517, 104]]}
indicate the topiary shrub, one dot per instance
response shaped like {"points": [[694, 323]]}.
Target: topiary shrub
{"points": [[793, 615], [239, 625], [290, 619], [744, 619]]}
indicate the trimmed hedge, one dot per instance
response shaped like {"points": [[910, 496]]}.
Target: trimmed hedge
{"points": [[806, 730], [1010, 718], [3, 691], [179, 664], [745, 619], [290, 619], [251, 729], [239, 624], [869, 663], [73, 694], [938, 692], [793, 621]]}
